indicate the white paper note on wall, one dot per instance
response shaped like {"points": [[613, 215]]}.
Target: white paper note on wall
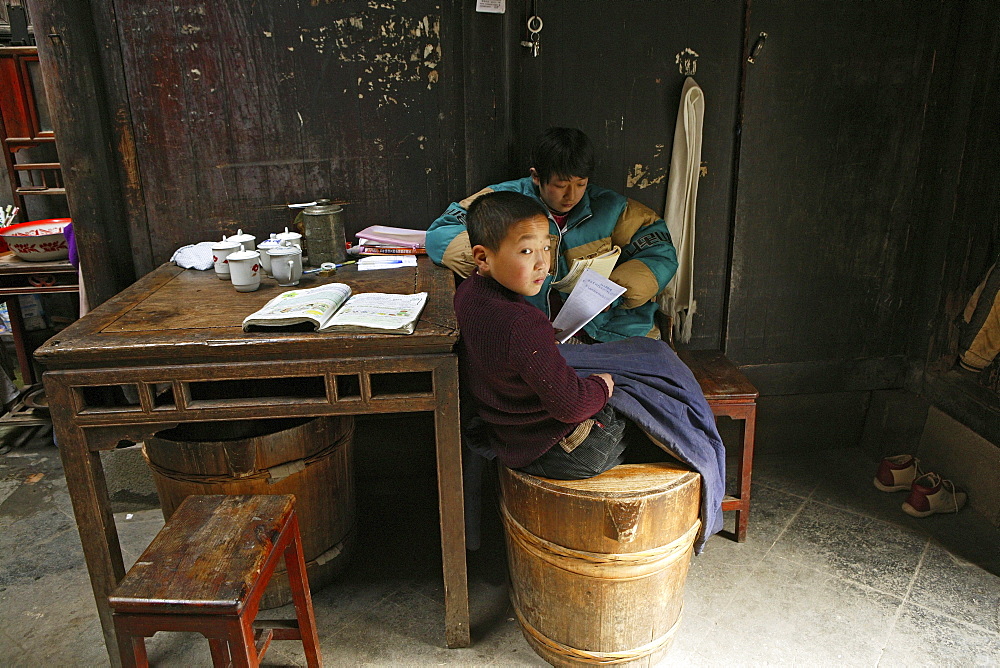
{"points": [[491, 6]]}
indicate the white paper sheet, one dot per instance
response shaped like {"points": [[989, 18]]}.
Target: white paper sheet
{"points": [[592, 294]]}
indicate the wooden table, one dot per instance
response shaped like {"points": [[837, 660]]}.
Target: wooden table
{"points": [[175, 339], [19, 277]]}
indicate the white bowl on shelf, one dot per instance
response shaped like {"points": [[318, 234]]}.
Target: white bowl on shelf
{"points": [[38, 240]]}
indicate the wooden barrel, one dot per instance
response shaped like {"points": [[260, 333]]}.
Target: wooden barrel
{"points": [[597, 566], [310, 458]]}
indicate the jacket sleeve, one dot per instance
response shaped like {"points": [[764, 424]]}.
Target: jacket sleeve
{"points": [[649, 258], [448, 240]]}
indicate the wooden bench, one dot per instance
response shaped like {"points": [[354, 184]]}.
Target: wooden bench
{"points": [[206, 572], [729, 393]]}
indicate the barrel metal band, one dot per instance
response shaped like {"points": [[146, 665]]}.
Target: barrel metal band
{"points": [[334, 551], [274, 472], [597, 658], [590, 564]]}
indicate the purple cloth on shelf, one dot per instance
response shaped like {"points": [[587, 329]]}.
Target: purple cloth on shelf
{"points": [[74, 257]]}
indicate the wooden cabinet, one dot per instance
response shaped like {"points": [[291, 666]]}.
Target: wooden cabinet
{"points": [[25, 124]]}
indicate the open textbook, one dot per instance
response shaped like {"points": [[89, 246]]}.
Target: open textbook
{"points": [[591, 295], [331, 308], [602, 263]]}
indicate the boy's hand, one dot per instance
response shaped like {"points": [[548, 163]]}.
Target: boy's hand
{"points": [[606, 377]]}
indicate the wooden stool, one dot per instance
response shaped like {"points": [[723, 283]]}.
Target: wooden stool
{"points": [[729, 393], [206, 572]]}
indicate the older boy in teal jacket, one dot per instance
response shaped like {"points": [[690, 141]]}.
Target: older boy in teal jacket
{"points": [[584, 220]]}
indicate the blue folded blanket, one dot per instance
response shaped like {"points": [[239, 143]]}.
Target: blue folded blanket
{"points": [[658, 392]]}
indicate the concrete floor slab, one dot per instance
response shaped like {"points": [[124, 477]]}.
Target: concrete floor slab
{"points": [[958, 588], [789, 613], [922, 637], [852, 547], [833, 573]]}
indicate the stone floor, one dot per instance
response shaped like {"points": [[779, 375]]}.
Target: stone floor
{"points": [[833, 573]]}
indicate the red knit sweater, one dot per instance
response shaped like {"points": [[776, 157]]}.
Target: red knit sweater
{"points": [[508, 361]]}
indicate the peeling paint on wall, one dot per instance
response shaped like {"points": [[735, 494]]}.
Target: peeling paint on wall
{"points": [[374, 4], [642, 177], [687, 62], [394, 51]]}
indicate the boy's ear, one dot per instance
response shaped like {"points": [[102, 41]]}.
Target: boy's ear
{"points": [[534, 177], [482, 260]]}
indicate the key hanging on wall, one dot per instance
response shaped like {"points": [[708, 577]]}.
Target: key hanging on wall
{"points": [[535, 25]]}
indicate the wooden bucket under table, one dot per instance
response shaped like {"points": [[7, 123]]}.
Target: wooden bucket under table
{"points": [[310, 458], [597, 566]]}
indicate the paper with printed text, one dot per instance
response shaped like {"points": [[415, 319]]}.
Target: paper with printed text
{"points": [[591, 295]]}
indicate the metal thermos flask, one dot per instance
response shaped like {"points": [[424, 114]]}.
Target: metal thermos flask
{"points": [[324, 228]]}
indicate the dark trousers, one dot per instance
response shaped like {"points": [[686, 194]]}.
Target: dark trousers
{"points": [[602, 449]]}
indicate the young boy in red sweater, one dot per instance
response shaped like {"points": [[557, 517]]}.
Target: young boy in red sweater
{"points": [[538, 415]]}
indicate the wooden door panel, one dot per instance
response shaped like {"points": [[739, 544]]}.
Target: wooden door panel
{"points": [[823, 258]]}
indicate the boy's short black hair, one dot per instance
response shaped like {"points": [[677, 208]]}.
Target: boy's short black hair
{"points": [[491, 216], [564, 153]]}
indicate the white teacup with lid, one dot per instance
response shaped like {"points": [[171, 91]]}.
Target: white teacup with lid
{"points": [[264, 247], [244, 268], [248, 241], [220, 252], [286, 264], [293, 238]]}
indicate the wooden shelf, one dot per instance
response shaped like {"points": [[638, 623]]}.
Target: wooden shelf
{"points": [[21, 128], [40, 191], [23, 111]]}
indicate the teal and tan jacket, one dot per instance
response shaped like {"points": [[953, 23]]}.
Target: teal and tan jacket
{"points": [[601, 220]]}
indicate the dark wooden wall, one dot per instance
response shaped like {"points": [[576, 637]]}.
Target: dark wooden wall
{"points": [[831, 164], [826, 222], [617, 78], [960, 198], [240, 108]]}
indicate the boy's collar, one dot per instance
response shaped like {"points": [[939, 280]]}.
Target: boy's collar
{"points": [[574, 215], [493, 284], [578, 212]]}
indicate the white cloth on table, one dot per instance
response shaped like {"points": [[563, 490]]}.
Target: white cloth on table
{"points": [[194, 256]]}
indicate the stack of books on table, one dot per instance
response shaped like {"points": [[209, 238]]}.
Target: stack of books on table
{"points": [[384, 240]]}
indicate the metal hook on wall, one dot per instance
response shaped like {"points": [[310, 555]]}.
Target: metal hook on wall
{"points": [[757, 46]]}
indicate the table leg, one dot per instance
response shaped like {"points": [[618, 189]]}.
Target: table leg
{"points": [[447, 430], [91, 505], [743, 476], [20, 345]]}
